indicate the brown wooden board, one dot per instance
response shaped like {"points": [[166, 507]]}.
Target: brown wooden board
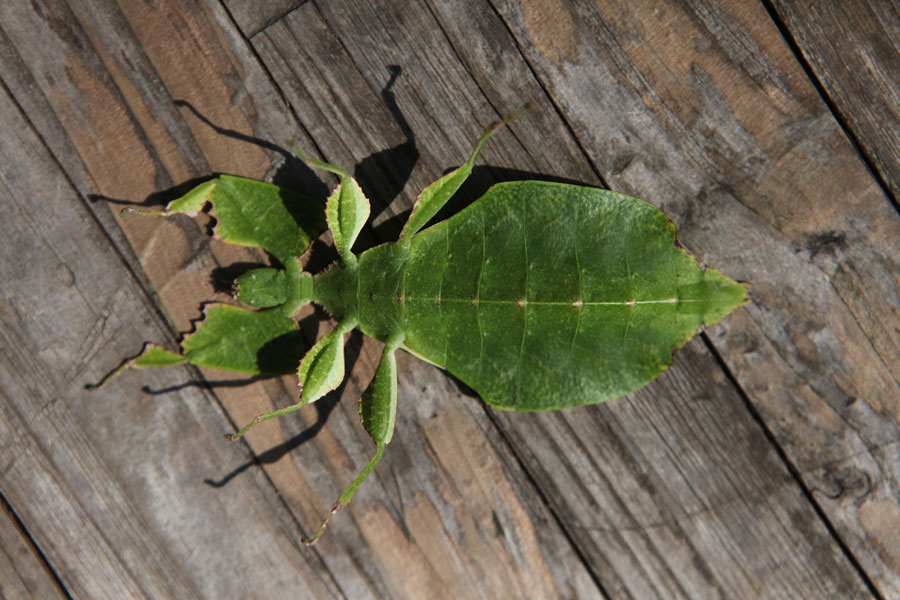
{"points": [[111, 489], [768, 476], [100, 89]]}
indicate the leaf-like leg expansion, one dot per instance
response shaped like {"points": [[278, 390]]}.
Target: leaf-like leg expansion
{"points": [[253, 213], [321, 371], [230, 338], [378, 406], [347, 209], [377, 411], [255, 342], [436, 195]]}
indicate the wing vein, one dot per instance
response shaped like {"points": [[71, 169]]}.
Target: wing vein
{"points": [[478, 297], [440, 294], [630, 303], [524, 299], [579, 302]]}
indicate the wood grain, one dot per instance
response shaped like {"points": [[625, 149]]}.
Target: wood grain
{"points": [[852, 49], [853, 53], [678, 491], [705, 112], [23, 571], [109, 94], [252, 17], [110, 489], [650, 559]]}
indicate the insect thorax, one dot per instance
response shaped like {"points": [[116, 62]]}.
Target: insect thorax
{"points": [[369, 291]]}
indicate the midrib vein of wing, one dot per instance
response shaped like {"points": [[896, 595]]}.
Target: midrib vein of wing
{"points": [[517, 301], [524, 300], [478, 297], [580, 286]]}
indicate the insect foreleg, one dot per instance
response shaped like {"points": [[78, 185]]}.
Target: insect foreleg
{"points": [[377, 410], [436, 195], [347, 209], [321, 370]]}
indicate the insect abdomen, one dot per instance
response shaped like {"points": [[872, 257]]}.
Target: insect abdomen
{"points": [[382, 271], [542, 296]]}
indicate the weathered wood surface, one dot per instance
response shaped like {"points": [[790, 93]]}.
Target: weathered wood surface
{"points": [[852, 49], [23, 571], [741, 150], [763, 464]]}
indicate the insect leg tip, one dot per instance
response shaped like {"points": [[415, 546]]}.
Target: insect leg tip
{"points": [[298, 151], [129, 210], [91, 387], [334, 509]]}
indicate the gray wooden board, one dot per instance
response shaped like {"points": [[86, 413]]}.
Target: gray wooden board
{"points": [[23, 571], [405, 32], [852, 49], [722, 129], [111, 489], [673, 492], [108, 91], [253, 16]]}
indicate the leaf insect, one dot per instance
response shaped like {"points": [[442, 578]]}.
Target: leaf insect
{"points": [[538, 295]]}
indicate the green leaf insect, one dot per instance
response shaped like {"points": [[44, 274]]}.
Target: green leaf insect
{"points": [[538, 295]]}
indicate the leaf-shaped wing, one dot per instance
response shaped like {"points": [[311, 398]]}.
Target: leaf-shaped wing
{"points": [[543, 295]]}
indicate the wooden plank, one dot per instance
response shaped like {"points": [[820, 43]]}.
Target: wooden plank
{"points": [[111, 489], [428, 525], [23, 572], [703, 110], [652, 501], [123, 136], [852, 50], [103, 78], [252, 17]]}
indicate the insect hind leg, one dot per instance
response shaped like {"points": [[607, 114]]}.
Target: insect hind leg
{"points": [[347, 494], [377, 410]]}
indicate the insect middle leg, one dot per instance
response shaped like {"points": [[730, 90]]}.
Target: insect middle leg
{"points": [[321, 370]]}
